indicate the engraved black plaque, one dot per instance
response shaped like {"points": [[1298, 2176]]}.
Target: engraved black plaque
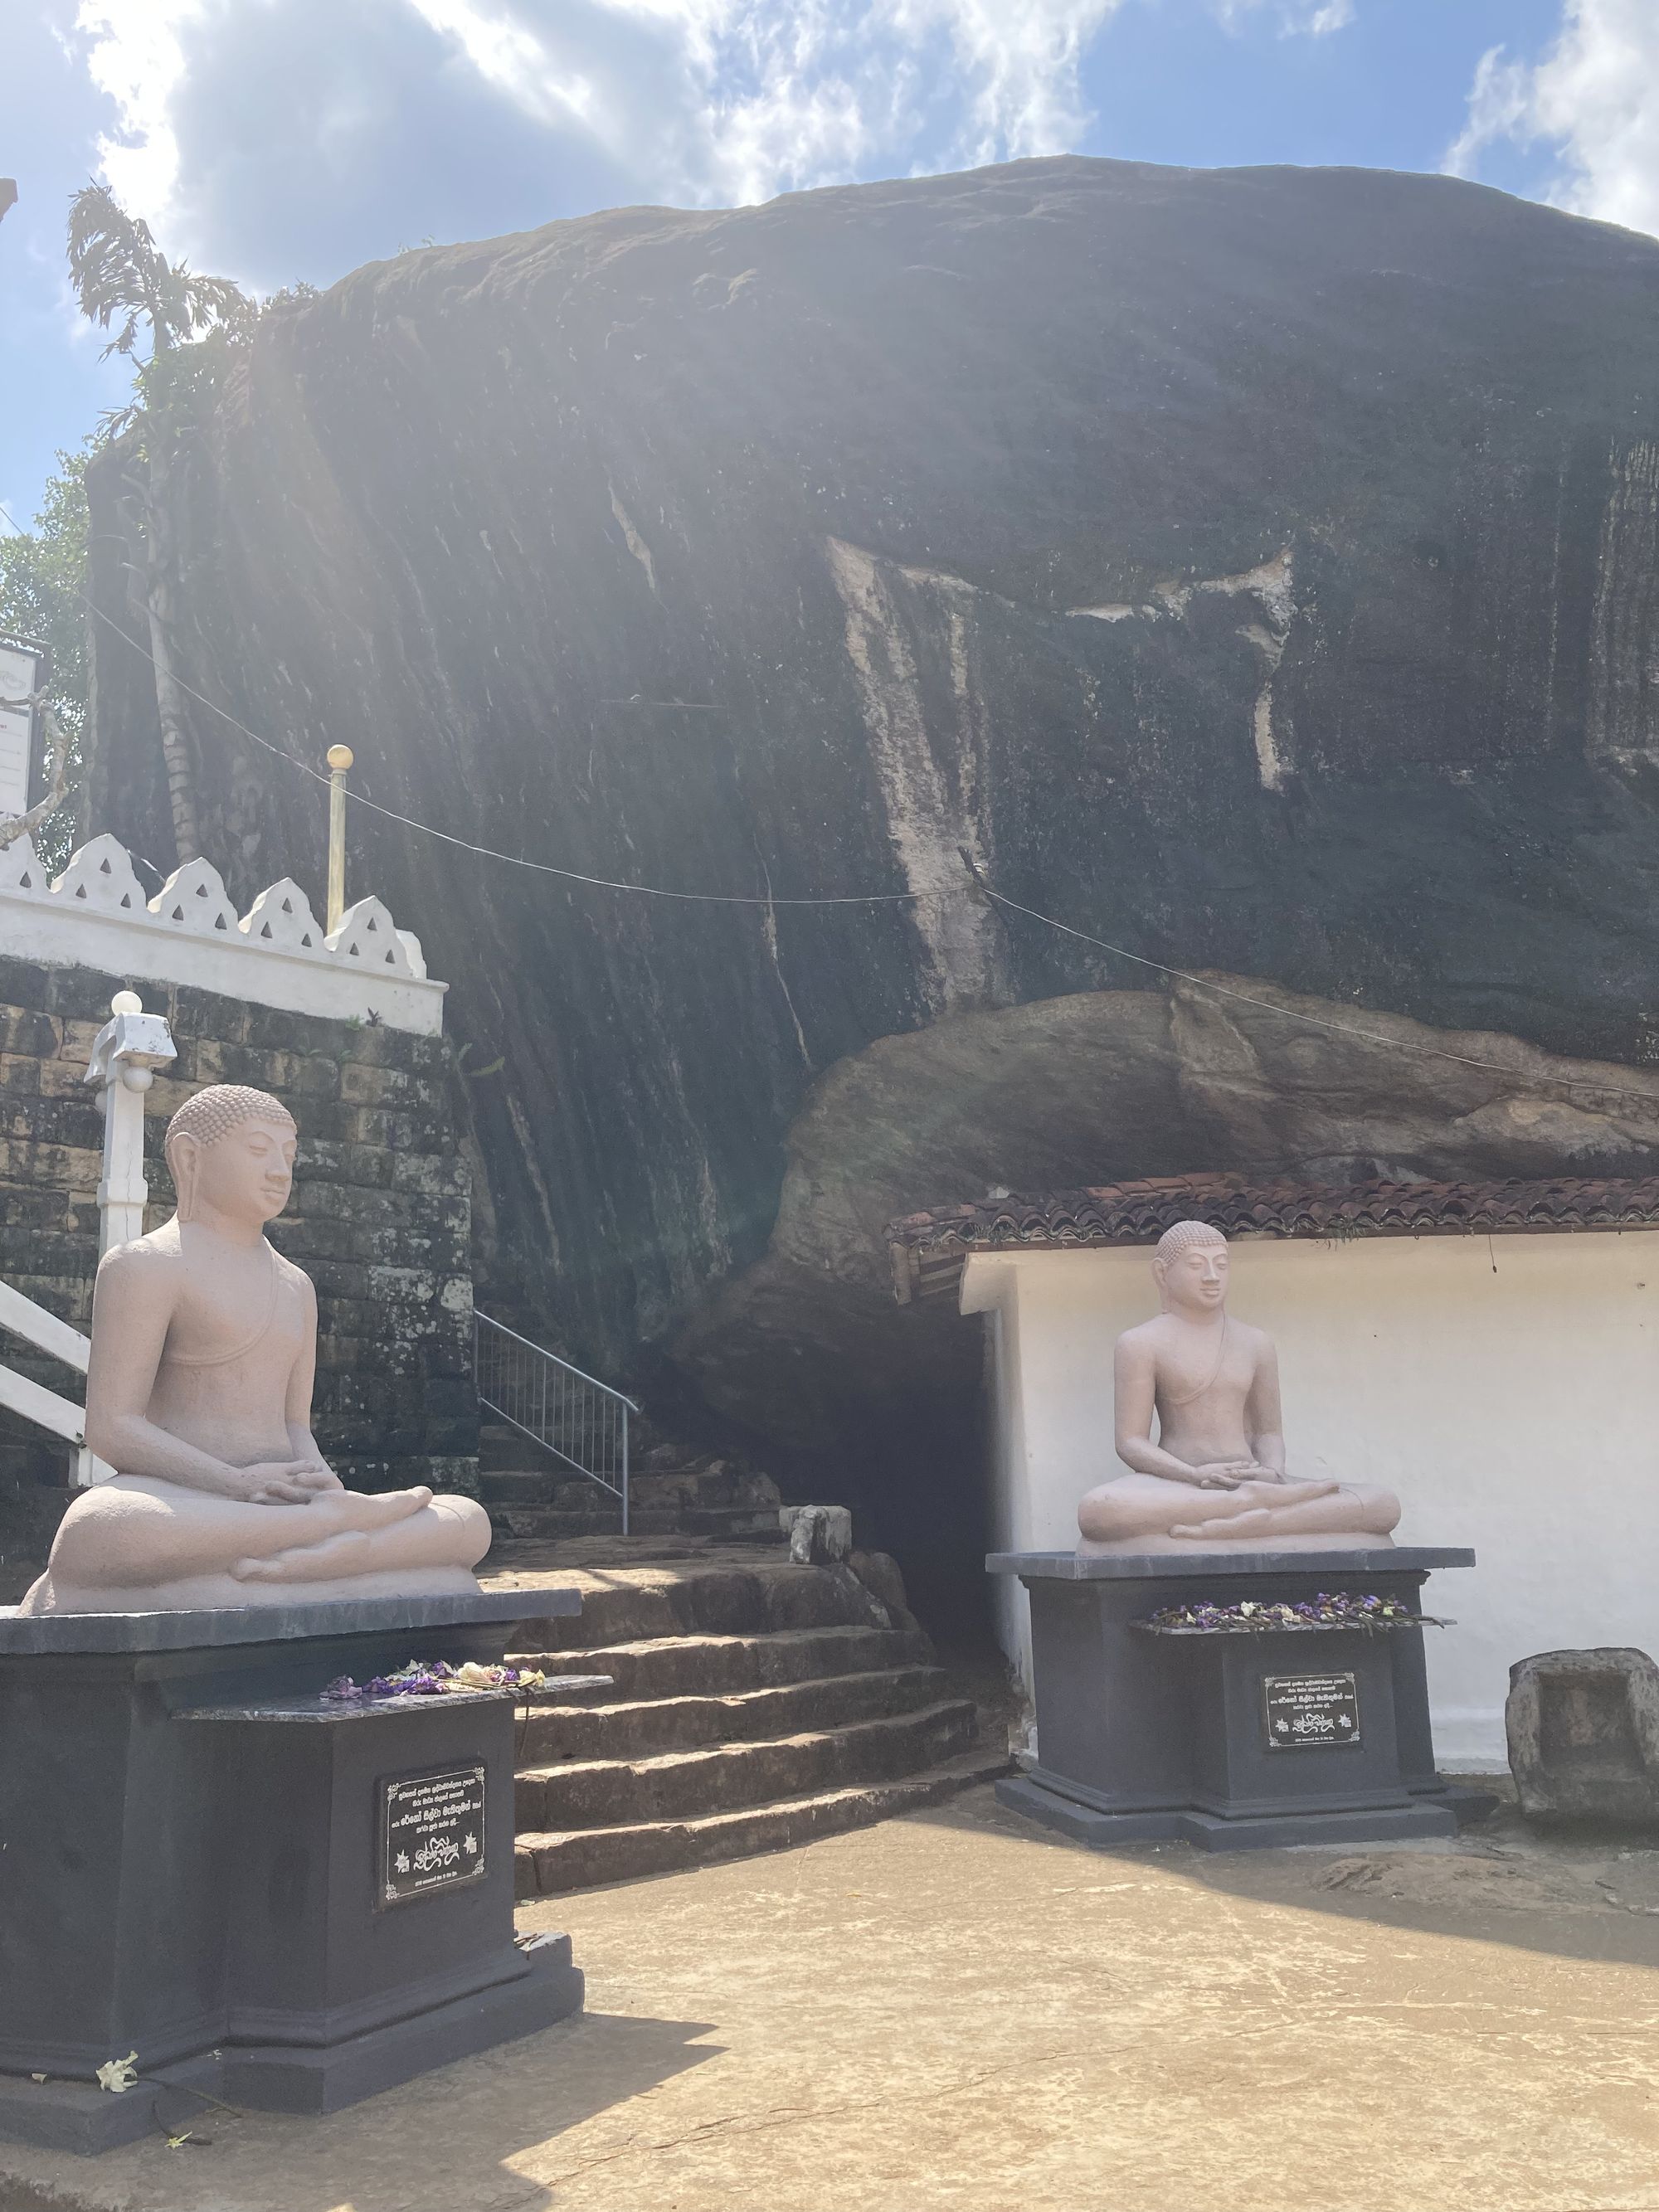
{"points": [[431, 1832], [1307, 1712]]}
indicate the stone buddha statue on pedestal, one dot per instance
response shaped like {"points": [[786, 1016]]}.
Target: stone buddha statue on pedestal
{"points": [[1216, 1478], [198, 1393]]}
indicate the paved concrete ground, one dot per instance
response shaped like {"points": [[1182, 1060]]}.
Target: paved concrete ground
{"points": [[953, 2010]]}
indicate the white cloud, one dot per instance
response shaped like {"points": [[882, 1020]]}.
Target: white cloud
{"points": [[706, 101], [1592, 101], [775, 95], [135, 56], [1313, 19]]}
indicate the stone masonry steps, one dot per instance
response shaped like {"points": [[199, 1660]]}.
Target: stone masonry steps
{"points": [[709, 1589], [553, 1862], [641, 1728], [670, 1667], [735, 1523], [755, 1702], [719, 1778], [674, 1490]]}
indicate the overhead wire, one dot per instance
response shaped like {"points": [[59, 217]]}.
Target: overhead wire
{"points": [[975, 886]]}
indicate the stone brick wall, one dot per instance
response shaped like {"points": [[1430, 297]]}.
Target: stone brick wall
{"points": [[380, 1219]]}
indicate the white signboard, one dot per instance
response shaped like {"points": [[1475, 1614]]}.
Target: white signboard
{"points": [[20, 668]]}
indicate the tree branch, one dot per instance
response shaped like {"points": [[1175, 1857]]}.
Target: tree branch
{"points": [[12, 827]]}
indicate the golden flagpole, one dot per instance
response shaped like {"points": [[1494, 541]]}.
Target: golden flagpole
{"points": [[339, 760]]}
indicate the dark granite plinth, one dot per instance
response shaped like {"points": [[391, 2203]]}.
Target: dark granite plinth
{"points": [[218, 1626], [188, 1845], [1141, 1735]]}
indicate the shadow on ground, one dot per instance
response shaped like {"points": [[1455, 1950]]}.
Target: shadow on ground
{"points": [[469, 2120], [1590, 1895]]}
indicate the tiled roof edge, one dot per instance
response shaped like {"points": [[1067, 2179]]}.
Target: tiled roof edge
{"points": [[929, 1248]]}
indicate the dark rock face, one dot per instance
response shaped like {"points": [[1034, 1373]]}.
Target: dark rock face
{"points": [[1259, 569]]}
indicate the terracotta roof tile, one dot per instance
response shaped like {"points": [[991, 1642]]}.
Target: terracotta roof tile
{"points": [[930, 1250]]}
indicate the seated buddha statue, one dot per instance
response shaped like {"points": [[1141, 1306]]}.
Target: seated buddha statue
{"points": [[199, 1394], [1216, 1475]]}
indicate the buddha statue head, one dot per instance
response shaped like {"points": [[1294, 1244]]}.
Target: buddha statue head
{"points": [[230, 1153], [1190, 1269]]}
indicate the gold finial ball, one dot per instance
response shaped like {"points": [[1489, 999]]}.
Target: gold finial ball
{"points": [[339, 758], [126, 1002]]}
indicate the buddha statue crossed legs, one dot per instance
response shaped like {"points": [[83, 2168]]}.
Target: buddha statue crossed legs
{"points": [[1216, 1477], [198, 1393]]}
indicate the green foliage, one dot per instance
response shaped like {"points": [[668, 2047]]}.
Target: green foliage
{"points": [[126, 284], [121, 276], [123, 281], [42, 575]]}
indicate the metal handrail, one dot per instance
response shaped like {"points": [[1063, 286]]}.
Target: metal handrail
{"points": [[568, 1413]]}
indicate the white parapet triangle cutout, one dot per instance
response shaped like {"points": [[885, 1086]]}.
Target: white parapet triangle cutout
{"points": [[100, 876], [369, 934], [20, 870], [281, 918], [193, 897]]}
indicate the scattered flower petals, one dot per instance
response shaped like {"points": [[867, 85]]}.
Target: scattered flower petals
{"points": [[119, 2073], [1328, 1610], [431, 1678]]}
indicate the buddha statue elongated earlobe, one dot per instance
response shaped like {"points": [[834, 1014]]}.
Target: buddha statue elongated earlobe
{"points": [[184, 1155]]}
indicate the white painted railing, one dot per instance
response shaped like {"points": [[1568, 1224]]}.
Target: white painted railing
{"points": [[125, 1054], [21, 1317], [278, 954]]}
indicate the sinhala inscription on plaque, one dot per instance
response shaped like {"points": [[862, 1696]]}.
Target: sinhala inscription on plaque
{"points": [[1306, 1712], [431, 1832]]}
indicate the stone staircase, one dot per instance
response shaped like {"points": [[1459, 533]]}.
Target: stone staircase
{"points": [[755, 1704], [675, 1490]]}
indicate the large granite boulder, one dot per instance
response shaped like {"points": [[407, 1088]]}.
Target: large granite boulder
{"points": [[1254, 569]]}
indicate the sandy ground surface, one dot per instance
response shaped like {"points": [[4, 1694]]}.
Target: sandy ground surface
{"points": [[955, 2010]]}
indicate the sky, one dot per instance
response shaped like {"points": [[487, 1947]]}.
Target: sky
{"points": [[277, 140]]}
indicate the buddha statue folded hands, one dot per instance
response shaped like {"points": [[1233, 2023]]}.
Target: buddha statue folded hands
{"points": [[1216, 1476], [198, 1393]]}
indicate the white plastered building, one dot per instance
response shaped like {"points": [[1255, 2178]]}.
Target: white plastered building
{"points": [[1490, 1352]]}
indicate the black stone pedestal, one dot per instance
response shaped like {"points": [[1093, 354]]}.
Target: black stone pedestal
{"points": [[283, 1902], [1233, 1742]]}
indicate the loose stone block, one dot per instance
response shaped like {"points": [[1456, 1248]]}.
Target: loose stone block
{"points": [[1583, 1735], [817, 1533]]}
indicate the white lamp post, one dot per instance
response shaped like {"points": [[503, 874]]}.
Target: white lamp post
{"points": [[125, 1054]]}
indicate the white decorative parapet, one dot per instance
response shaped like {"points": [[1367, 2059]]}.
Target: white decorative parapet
{"points": [[95, 915]]}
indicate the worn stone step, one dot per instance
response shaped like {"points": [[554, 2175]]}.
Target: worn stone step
{"points": [[521, 1485], [627, 1604], [552, 1861], [525, 1483], [741, 1524], [679, 1785], [548, 1486], [725, 1666], [630, 1728]]}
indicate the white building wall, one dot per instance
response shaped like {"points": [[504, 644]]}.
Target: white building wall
{"points": [[1507, 1389]]}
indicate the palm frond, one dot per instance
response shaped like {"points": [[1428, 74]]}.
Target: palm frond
{"points": [[123, 280]]}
